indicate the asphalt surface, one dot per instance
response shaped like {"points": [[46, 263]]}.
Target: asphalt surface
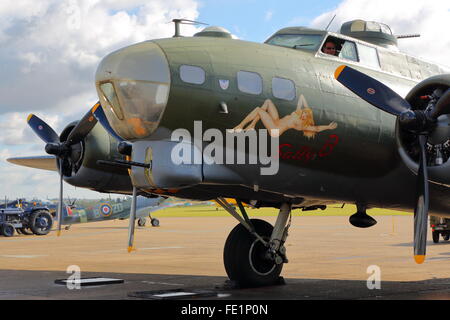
{"points": [[182, 259]]}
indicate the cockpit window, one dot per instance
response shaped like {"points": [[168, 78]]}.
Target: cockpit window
{"points": [[348, 51], [110, 95], [296, 41], [341, 48]]}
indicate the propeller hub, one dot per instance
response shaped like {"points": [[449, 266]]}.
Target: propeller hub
{"points": [[417, 121], [408, 119], [56, 149]]}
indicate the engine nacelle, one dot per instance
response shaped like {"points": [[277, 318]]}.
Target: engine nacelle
{"points": [[81, 168], [438, 146]]}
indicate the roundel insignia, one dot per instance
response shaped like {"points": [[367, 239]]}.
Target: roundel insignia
{"points": [[40, 127], [105, 209], [371, 91]]}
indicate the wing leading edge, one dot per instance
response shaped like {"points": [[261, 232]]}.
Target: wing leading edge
{"points": [[37, 162]]}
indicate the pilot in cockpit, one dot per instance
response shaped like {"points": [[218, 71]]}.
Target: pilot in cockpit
{"points": [[330, 48]]}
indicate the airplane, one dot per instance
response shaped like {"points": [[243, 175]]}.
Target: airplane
{"points": [[99, 211], [279, 124], [112, 210]]}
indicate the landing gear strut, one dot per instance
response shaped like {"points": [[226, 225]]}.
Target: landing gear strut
{"points": [[254, 251]]}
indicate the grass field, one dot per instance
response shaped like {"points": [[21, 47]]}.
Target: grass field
{"points": [[213, 211]]}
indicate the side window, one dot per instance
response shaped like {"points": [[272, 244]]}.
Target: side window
{"points": [[249, 82], [283, 89], [192, 74], [348, 51], [368, 56]]}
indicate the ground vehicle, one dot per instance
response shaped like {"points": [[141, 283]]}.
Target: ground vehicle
{"points": [[440, 226], [36, 220]]}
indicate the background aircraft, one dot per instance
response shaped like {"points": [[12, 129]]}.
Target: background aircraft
{"points": [[113, 209], [367, 145], [92, 211]]}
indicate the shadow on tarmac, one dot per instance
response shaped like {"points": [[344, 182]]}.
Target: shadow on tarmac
{"points": [[26, 285]]}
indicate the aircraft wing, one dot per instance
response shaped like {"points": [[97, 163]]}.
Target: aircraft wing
{"points": [[37, 162]]}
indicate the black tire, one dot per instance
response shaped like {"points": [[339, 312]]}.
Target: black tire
{"points": [[446, 237], [141, 222], [244, 257], [435, 235], [41, 222], [155, 222], [8, 230]]}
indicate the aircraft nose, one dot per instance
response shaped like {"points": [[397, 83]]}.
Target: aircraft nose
{"points": [[133, 87]]}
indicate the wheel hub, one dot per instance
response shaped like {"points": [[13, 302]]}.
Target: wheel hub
{"points": [[260, 262], [41, 222]]}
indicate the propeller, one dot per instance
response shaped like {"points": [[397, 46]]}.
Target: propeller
{"points": [[62, 149], [419, 122], [100, 115]]}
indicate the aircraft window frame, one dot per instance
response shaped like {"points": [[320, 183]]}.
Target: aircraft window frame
{"points": [[192, 74], [373, 26], [310, 42], [278, 92], [385, 28], [365, 59], [340, 43], [354, 58], [112, 98], [255, 88]]}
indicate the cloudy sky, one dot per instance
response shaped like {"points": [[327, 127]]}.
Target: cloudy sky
{"points": [[49, 51]]}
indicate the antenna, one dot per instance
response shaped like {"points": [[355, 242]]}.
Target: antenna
{"points": [[406, 36], [184, 21], [326, 29]]}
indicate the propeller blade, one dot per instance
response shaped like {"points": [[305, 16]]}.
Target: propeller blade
{"points": [[60, 203], [82, 129], [42, 129], [442, 106], [132, 221], [371, 90], [98, 112], [422, 204]]}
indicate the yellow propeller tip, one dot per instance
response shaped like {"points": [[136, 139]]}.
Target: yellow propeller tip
{"points": [[29, 117], [338, 71], [94, 108], [419, 259], [131, 249]]}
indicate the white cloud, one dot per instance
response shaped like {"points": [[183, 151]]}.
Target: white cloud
{"points": [[50, 48], [49, 51], [429, 18], [268, 16]]}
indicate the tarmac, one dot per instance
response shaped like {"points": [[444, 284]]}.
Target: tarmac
{"points": [[182, 259]]}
